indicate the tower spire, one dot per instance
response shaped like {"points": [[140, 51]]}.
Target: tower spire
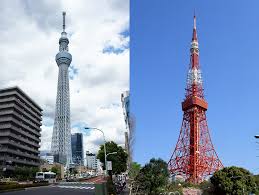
{"points": [[194, 78], [63, 41], [194, 20], [194, 35], [194, 46], [64, 21]]}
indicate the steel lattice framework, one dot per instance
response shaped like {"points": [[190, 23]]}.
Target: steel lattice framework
{"points": [[61, 138], [194, 156]]}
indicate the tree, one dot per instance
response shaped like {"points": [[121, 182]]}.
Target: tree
{"points": [[257, 180], [25, 173], [74, 171], [119, 160], [57, 170], [134, 170], [152, 177], [233, 180]]}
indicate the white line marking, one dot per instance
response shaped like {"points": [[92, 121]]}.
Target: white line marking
{"points": [[78, 187]]}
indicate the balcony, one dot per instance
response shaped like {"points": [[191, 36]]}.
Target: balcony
{"points": [[20, 124], [21, 131], [21, 117], [27, 103], [19, 94], [23, 112], [19, 153], [9, 102], [20, 161], [25, 107], [19, 138], [9, 127], [15, 144]]}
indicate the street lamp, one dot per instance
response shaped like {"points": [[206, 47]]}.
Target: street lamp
{"points": [[257, 136], [105, 160], [111, 153]]}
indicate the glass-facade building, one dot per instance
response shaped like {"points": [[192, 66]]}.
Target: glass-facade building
{"points": [[77, 148]]}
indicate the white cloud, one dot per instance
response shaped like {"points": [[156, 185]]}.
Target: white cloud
{"points": [[29, 34]]}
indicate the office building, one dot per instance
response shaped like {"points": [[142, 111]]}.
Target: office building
{"points": [[20, 126], [47, 157], [91, 160], [77, 148]]}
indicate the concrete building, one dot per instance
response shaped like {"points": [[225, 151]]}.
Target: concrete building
{"points": [[47, 157], [20, 126], [48, 167], [99, 167], [91, 160], [77, 148]]}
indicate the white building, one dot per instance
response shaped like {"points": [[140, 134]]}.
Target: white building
{"points": [[91, 160], [49, 157], [99, 167]]}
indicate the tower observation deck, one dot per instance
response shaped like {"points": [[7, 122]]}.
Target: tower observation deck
{"points": [[61, 137]]}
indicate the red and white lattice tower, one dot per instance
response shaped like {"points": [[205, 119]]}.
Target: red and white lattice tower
{"points": [[194, 156]]}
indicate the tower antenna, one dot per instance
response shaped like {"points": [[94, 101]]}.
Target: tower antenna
{"points": [[194, 19], [64, 21]]}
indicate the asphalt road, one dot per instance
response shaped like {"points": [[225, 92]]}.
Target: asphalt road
{"points": [[61, 189]]}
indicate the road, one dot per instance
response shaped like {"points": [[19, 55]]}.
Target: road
{"points": [[65, 188]]}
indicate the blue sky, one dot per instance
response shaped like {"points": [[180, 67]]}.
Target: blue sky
{"points": [[228, 33]]}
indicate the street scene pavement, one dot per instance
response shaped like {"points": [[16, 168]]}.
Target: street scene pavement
{"points": [[63, 188]]}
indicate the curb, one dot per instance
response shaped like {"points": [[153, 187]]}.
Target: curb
{"points": [[12, 190]]}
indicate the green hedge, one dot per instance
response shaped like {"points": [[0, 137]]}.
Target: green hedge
{"points": [[4, 187], [8, 183]]}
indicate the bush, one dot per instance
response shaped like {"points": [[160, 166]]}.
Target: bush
{"points": [[207, 188], [8, 186], [25, 173], [174, 186], [8, 183], [189, 185]]}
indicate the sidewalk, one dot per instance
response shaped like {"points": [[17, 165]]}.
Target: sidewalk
{"points": [[97, 179]]}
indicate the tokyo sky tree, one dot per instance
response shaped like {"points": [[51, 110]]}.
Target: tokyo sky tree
{"points": [[61, 137]]}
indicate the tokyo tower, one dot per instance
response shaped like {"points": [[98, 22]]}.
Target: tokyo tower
{"points": [[194, 156]]}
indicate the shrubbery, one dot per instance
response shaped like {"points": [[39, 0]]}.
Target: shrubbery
{"points": [[25, 173], [15, 185]]}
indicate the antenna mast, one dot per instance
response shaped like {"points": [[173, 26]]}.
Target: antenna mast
{"points": [[64, 21]]}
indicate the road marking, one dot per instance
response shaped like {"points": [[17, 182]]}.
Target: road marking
{"points": [[76, 183], [78, 187]]}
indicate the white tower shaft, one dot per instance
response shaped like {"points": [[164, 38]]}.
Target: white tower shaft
{"points": [[61, 138]]}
